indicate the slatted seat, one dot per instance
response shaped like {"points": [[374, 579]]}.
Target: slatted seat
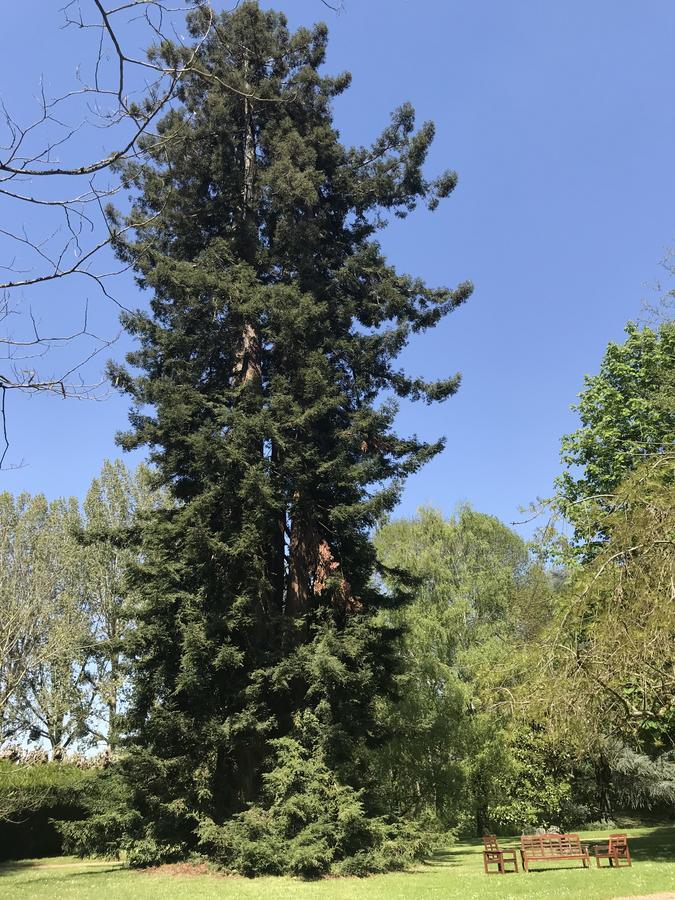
{"points": [[494, 855], [549, 847], [616, 851]]}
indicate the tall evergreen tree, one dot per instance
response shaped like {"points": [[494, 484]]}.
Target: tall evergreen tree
{"points": [[265, 386]]}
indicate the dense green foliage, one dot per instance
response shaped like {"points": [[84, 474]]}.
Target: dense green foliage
{"points": [[310, 821], [627, 414], [33, 792], [611, 644], [476, 594], [274, 328]]}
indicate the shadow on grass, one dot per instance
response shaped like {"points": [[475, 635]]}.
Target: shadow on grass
{"points": [[546, 867], [52, 871], [450, 857], [657, 846]]}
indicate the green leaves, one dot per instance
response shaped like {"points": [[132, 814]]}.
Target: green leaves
{"points": [[473, 591], [628, 415], [618, 615]]}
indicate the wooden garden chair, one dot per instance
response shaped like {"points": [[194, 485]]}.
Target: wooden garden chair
{"points": [[494, 855], [616, 851]]}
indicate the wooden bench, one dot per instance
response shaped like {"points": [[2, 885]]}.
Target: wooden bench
{"points": [[616, 851], [494, 855], [547, 847]]}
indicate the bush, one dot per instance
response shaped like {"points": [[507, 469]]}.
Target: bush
{"points": [[310, 824], [600, 825], [33, 793], [107, 818]]}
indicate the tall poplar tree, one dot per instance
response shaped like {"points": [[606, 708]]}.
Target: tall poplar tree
{"points": [[264, 385]]}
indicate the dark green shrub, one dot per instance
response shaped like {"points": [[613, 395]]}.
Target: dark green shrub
{"points": [[310, 854], [149, 852], [307, 824], [246, 844], [32, 796], [310, 824], [106, 821]]}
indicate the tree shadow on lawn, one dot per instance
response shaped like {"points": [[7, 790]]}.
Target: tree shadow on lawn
{"points": [[453, 857], [657, 846], [53, 872]]}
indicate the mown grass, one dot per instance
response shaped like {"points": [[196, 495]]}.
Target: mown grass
{"points": [[453, 874]]}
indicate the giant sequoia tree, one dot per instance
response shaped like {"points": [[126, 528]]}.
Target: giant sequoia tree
{"points": [[264, 386]]}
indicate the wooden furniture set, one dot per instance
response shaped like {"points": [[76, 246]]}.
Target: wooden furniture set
{"points": [[548, 847]]}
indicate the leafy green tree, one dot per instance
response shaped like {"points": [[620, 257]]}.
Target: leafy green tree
{"points": [[21, 608], [55, 697], [113, 507], [477, 596], [627, 414], [611, 643], [62, 599], [46, 686], [536, 786], [274, 329]]}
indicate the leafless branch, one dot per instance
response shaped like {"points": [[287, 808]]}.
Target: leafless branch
{"points": [[53, 202]]}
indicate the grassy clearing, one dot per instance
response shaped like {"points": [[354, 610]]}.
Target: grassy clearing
{"points": [[453, 874]]}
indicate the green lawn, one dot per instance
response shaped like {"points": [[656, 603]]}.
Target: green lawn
{"points": [[453, 874]]}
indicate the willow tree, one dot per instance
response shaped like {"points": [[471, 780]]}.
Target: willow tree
{"points": [[265, 386]]}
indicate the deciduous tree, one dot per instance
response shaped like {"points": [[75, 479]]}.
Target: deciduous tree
{"points": [[627, 414]]}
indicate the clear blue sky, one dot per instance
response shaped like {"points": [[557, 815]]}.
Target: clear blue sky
{"points": [[560, 120]]}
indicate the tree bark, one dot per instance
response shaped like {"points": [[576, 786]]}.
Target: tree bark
{"points": [[302, 564], [603, 780], [248, 358]]}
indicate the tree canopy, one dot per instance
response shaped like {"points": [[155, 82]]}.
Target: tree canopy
{"points": [[264, 386], [627, 414]]}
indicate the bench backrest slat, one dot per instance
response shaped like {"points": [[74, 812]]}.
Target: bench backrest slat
{"points": [[551, 844], [618, 843]]}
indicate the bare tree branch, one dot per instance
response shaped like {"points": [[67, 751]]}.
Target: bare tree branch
{"points": [[53, 203]]}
